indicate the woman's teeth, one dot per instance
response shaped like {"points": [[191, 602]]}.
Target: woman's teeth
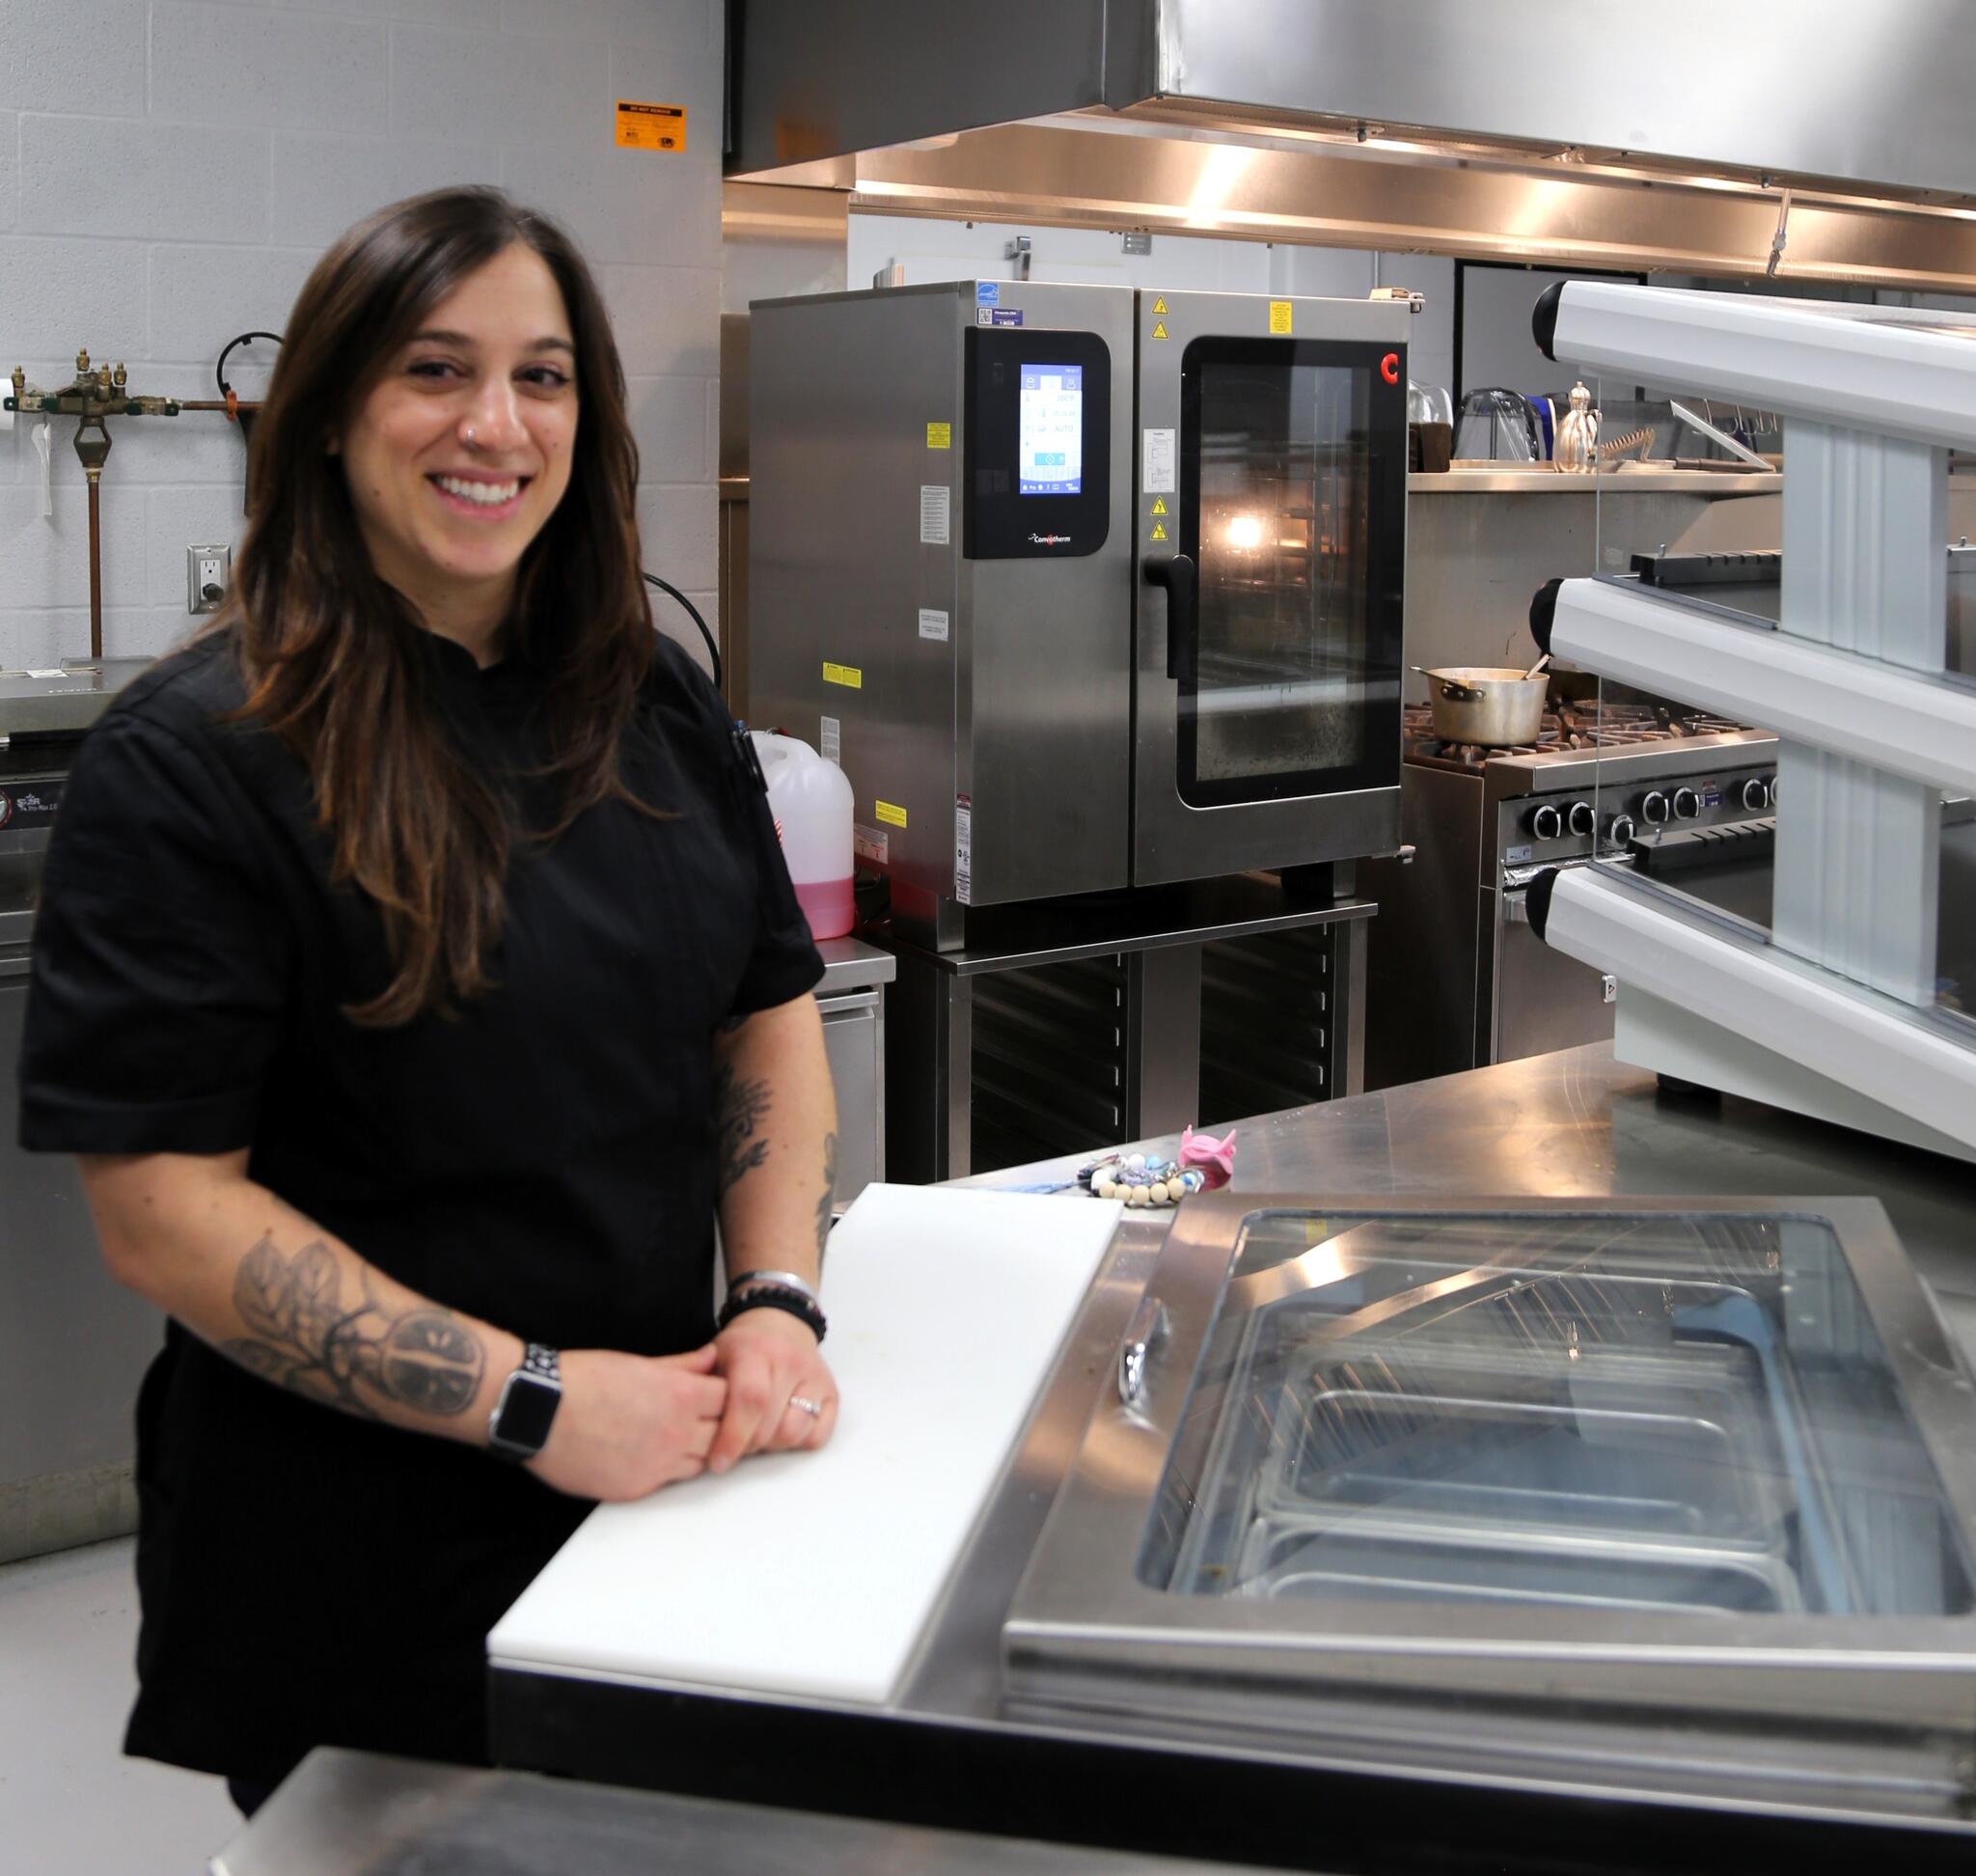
{"points": [[483, 494]]}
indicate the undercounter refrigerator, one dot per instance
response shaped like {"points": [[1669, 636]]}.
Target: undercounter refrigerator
{"points": [[1086, 587]]}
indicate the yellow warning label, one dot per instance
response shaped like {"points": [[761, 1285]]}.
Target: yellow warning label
{"points": [[1159, 531], [940, 436], [1158, 306], [1279, 315], [651, 127], [1159, 331], [1159, 505], [848, 676], [891, 815]]}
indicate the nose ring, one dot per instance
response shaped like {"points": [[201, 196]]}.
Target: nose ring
{"points": [[466, 436]]}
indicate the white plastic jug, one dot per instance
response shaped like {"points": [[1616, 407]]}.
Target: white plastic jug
{"points": [[811, 800]]}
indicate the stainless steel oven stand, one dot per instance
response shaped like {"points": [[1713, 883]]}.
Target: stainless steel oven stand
{"points": [[1089, 1017]]}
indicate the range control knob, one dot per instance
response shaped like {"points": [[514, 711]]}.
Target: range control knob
{"points": [[1580, 818], [1756, 794], [1546, 822], [1653, 808], [1686, 804], [1619, 830]]}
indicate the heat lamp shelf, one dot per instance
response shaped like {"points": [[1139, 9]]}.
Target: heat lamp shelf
{"points": [[1910, 723]]}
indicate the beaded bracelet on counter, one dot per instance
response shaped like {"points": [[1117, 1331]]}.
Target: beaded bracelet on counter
{"points": [[1139, 1181], [1205, 1164]]}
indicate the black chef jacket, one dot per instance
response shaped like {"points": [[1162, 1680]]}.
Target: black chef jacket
{"points": [[545, 1161]]}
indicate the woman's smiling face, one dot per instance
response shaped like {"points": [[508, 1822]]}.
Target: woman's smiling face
{"points": [[459, 455]]}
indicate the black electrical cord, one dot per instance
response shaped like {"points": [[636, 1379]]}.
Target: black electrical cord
{"points": [[219, 371], [713, 651]]}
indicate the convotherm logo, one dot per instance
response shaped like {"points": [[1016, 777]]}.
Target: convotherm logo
{"points": [[1050, 541]]}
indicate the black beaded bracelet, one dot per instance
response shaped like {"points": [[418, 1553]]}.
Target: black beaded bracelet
{"points": [[773, 1296]]}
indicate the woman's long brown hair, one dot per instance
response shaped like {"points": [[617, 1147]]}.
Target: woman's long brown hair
{"points": [[336, 663]]}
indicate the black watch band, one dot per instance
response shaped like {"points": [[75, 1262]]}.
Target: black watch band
{"points": [[518, 1428]]}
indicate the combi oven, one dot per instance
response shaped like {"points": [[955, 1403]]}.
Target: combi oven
{"points": [[1084, 587]]}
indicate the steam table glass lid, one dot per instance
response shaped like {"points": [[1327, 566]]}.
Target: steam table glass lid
{"points": [[1672, 1415]]}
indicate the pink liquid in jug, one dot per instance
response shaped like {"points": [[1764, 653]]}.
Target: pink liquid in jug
{"points": [[828, 905]]}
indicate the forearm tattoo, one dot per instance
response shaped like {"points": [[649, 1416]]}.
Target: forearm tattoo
{"points": [[830, 1192], [739, 1108], [349, 1353]]}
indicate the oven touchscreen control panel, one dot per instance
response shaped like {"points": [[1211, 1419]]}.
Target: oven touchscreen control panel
{"points": [[1037, 441]]}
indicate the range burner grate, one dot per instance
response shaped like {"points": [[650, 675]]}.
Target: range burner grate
{"points": [[1566, 726]]}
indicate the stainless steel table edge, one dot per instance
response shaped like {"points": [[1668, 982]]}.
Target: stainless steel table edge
{"points": [[928, 1754], [1049, 1775]]}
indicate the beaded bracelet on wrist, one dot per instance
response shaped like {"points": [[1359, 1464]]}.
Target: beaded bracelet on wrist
{"points": [[772, 1296]]}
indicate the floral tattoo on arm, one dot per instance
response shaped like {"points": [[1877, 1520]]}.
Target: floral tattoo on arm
{"points": [[349, 1352]]}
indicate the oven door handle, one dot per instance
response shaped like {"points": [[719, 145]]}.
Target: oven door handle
{"points": [[1181, 578]]}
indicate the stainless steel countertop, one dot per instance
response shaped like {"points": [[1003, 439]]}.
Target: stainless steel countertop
{"points": [[851, 965], [345, 1814], [1562, 1126]]}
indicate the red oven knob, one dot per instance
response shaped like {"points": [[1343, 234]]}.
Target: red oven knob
{"points": [[1390, 368]]}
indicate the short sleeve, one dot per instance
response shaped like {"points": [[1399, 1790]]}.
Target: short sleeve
{"points": [[783, 961], [161, 970]]}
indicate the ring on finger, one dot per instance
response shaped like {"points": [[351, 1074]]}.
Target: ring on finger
{"points": [[814, 1408]]}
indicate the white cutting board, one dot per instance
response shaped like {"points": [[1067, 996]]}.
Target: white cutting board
{"points": [[813, 1573]]}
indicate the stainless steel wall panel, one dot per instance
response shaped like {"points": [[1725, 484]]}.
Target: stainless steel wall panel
{"points": [[1024, 706], [842, 388], [1868, 94], [1042, 651], [1869, 98]]}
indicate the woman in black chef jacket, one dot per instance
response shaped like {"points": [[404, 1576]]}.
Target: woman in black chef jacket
{"points": [[418, 978]]}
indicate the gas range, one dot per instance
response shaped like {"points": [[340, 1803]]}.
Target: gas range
{"points": [[1456, 978], [1627, 772]]}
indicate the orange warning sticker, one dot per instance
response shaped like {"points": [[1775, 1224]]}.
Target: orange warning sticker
{"points": [[651, 127]]}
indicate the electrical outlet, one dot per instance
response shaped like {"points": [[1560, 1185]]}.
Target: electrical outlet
{"points": [[208, 572]]}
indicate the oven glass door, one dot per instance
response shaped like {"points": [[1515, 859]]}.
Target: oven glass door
{"points": [[1293, 510]]}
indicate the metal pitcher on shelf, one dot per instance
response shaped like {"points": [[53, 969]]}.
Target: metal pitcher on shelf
{"points": [[1577, 435]]}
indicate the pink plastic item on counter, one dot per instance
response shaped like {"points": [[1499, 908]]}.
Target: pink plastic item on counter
{"points": [[1215, 1158]]}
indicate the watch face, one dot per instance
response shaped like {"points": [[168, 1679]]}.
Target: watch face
{"points": [[528, 1410]]}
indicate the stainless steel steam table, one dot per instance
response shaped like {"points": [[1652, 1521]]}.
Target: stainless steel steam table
{"points": [[949, 1752]]}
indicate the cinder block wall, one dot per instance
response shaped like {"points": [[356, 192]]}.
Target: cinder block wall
{"points": [[170, 170]]}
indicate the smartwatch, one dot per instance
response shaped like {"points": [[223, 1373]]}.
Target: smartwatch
{"points": [[518, 1428]]}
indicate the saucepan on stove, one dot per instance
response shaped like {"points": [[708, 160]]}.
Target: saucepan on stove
{"points": [[1497, 705]]}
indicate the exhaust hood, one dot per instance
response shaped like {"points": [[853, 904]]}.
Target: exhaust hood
{"points": [[1824, 142]]}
